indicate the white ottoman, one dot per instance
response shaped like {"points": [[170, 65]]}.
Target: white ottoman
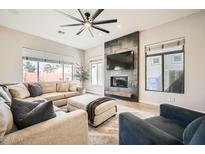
{"points": [[102, 112]]}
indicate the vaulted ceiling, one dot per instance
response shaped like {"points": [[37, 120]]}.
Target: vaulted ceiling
{"points": [[46, 24]]}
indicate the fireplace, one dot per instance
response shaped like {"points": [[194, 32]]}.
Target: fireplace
{"points": [[119, 81]]}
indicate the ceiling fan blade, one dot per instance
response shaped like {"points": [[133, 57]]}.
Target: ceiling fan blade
{"points": [[97, 13], [101, 29], [104, 22], [81, 14], [65, 14], [90, 32], [71, 25], [80, 31]]}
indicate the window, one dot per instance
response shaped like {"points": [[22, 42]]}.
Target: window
{"points": [[154, 73], [165, 67], [100, 74], [97, 74], [94, 75], [174, 73], [68, 72], [36, 70], [50, 71], [30, 71]]}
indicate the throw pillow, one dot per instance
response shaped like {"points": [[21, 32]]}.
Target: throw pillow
{"points": [[19, 91], [6, 120], [62, 87], [73, 87], [48, 87], [34, 89], [29, 113], [194, 133]]}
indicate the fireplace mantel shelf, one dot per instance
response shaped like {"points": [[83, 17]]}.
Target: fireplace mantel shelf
{"points": [[122, 94]]}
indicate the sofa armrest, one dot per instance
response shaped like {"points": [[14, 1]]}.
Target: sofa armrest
{"points": [[184, 116], [135, 131], [69, 128]]}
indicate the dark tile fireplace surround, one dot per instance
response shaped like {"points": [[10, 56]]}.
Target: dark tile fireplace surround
{"points": [[123, 84]]}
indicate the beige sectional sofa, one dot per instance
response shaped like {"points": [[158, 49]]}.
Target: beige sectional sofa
{"points": [[65, 128], [50, 91]]}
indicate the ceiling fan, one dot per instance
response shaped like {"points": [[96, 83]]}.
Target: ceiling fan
{"points": [[88, 21]]}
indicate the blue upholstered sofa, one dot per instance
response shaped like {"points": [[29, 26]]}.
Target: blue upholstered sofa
{"points": [[175, 125]]}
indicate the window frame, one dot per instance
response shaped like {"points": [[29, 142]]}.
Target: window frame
{"points": [[162, 55], [48, 61], [97, 63]]}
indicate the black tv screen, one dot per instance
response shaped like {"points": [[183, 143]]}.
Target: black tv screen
{"points": [[121, 61]]}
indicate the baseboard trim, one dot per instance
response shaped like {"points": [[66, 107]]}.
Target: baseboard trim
{"points": [[158, 104], [94, 92], [149, 103]]}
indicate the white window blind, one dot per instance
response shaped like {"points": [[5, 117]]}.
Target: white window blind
{"points": [[44, 66], [32, 54], [164, 47]]}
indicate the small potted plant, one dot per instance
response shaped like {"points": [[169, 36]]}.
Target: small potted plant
{"points": [[82, 74]]}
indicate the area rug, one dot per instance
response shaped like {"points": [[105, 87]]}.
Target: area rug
{"points": [[107, 133]]}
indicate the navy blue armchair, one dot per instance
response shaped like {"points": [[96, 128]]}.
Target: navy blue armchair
{"points": [[174, 126]]}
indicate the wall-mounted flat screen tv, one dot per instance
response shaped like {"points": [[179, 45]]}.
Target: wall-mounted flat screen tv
{"points": [[121, 61]]}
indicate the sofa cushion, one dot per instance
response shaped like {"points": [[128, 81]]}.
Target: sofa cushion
{"points": [[6, 120], [32, 99], [194, 133], [19, 91], [53, 96], [62, 87], [48, 87], [171, 127], [29, 113], [34, 89], [70, 94], [183, 115]]}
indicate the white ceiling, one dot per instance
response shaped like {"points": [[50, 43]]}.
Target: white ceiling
{"points": [[46, 24]]}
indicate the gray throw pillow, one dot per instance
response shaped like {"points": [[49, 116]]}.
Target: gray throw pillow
{"points": [[29, 113], [194, 133], [34, 89]]}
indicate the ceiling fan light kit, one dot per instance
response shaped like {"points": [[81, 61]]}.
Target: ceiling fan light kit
{"points": [[88, 21], [87, 24]]}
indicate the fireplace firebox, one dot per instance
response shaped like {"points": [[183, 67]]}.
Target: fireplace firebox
{"points": [[119, 81]]}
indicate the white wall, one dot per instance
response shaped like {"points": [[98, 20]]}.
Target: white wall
{"points": [[90, 54], [11, 44], [193, 29]]}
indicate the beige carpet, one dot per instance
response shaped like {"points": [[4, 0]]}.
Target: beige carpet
{"points": [[107, 133]]}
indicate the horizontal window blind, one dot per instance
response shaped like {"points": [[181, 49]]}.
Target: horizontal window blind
{"points": [[36, 55], [96, 59], [167, 46]]}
